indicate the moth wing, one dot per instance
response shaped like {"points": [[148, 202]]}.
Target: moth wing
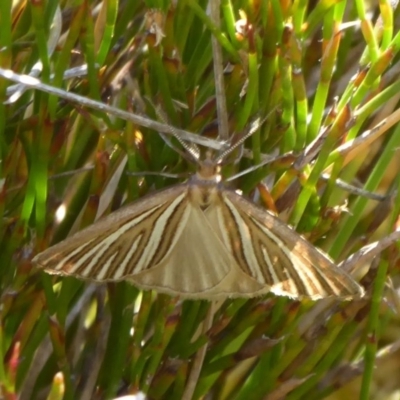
{"points": [[130, 239], [199, 266], [162, 242], [274, 254]]}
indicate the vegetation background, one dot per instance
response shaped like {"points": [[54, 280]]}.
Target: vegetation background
{"points": [[309, 65]]}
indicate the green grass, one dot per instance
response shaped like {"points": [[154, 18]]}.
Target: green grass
{"points": [[310, 65]]}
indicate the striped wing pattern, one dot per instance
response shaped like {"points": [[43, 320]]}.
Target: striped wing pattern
{"points": [[129, 240], [202, 242], [275, 255]]}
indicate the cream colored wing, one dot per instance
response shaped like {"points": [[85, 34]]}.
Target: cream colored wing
{"points": [[199, 266], [127, 241], [274, 254], [161, 242]]}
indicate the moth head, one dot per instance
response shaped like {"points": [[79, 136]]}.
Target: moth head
{"points": [[208, 169]]}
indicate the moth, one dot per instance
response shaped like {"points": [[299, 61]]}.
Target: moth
{"points": [[200, 240]]}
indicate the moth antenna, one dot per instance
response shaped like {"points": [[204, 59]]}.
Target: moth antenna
{"points": [[254, 126], [312, 150], [187, 155], [192, 150], [267, 160], [239, 155]]}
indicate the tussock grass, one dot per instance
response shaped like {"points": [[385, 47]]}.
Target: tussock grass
{"points": [[314, 66]]}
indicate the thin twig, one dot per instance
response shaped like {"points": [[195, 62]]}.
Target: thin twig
{"points": [[369, 251], [355, 190], [128, 116], [222, 113], [199, 358]]}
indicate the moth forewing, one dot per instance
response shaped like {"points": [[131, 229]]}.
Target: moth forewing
{"points": [[287, 261], [84, 253]]}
